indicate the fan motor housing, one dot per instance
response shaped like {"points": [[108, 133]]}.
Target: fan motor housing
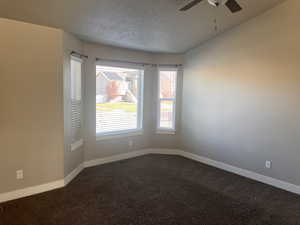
{"points": [[217, 3]]}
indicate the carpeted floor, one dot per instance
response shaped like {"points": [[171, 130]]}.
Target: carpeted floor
{"points": [[156, 190]]}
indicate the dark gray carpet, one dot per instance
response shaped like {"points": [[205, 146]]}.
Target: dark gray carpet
{"points": [[156, 190]]}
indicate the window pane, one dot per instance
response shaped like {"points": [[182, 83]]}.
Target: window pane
{"points": [[75, 80], [117, 99], [167, 98], [166, 114], [167, 84]]}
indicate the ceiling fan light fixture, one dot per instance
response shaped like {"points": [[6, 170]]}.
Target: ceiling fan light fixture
{"points": [[232, 5], [217, 3]]}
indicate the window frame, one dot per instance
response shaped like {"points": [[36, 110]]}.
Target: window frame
{"points": [[140, 112], [159, 129]]}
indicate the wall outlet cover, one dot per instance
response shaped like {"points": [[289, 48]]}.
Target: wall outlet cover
{"points": [[268, 164], [19, 174]]}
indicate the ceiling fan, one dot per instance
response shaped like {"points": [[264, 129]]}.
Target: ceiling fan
{"points": [[232, 5]]}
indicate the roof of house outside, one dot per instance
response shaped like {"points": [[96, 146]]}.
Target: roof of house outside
{"points": [[112, 76]]}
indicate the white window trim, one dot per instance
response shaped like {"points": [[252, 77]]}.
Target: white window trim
{"points": [[169, 132], [76, 145], [163, 130], [76, 58], [119, 134], [130, 132]]}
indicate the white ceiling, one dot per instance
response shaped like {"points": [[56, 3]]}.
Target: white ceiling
{"points": [[150, 25]]}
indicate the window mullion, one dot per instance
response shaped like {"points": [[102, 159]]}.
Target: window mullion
{"points": [[167, 99]]}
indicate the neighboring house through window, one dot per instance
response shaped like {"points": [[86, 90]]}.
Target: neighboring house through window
{"points": [[119, 101]]}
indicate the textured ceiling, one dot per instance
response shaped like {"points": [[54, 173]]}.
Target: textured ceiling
{"points": [[151, 25]]}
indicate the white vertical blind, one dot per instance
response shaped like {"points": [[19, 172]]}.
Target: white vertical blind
{"points": [[76, 99]]}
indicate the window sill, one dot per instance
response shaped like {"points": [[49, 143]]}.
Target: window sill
{"points": [[100, 137], [170, 132], [76, 145]]}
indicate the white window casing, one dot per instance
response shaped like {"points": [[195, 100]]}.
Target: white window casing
{"points": [[166, 101], [119, 100]]}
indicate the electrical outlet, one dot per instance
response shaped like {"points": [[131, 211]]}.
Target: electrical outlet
{"points": [[19, 174], [268, 164], [130, 143]]}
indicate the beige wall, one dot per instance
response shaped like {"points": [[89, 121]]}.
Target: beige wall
{"points": [[35, 116], [96, 149], [242, 93], [31, 115], [240, 99]]}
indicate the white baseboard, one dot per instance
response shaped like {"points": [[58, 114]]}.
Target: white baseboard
{"points": [[73, 174], [8, 196], [61, 183], [242, 172], [25, 192], [133, 154], [164, 151], [245, 173], [114, 158]]}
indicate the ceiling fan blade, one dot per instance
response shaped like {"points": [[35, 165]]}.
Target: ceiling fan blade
{"points": [[190, 5], [233, 6]]}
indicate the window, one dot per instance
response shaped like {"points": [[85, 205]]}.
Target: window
{"points": [[119, 101], [76, 102], [167, 80]]}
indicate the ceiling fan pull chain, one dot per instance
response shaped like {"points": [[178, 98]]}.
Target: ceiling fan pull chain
{"points": [[216, 25], [216, 21]]}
